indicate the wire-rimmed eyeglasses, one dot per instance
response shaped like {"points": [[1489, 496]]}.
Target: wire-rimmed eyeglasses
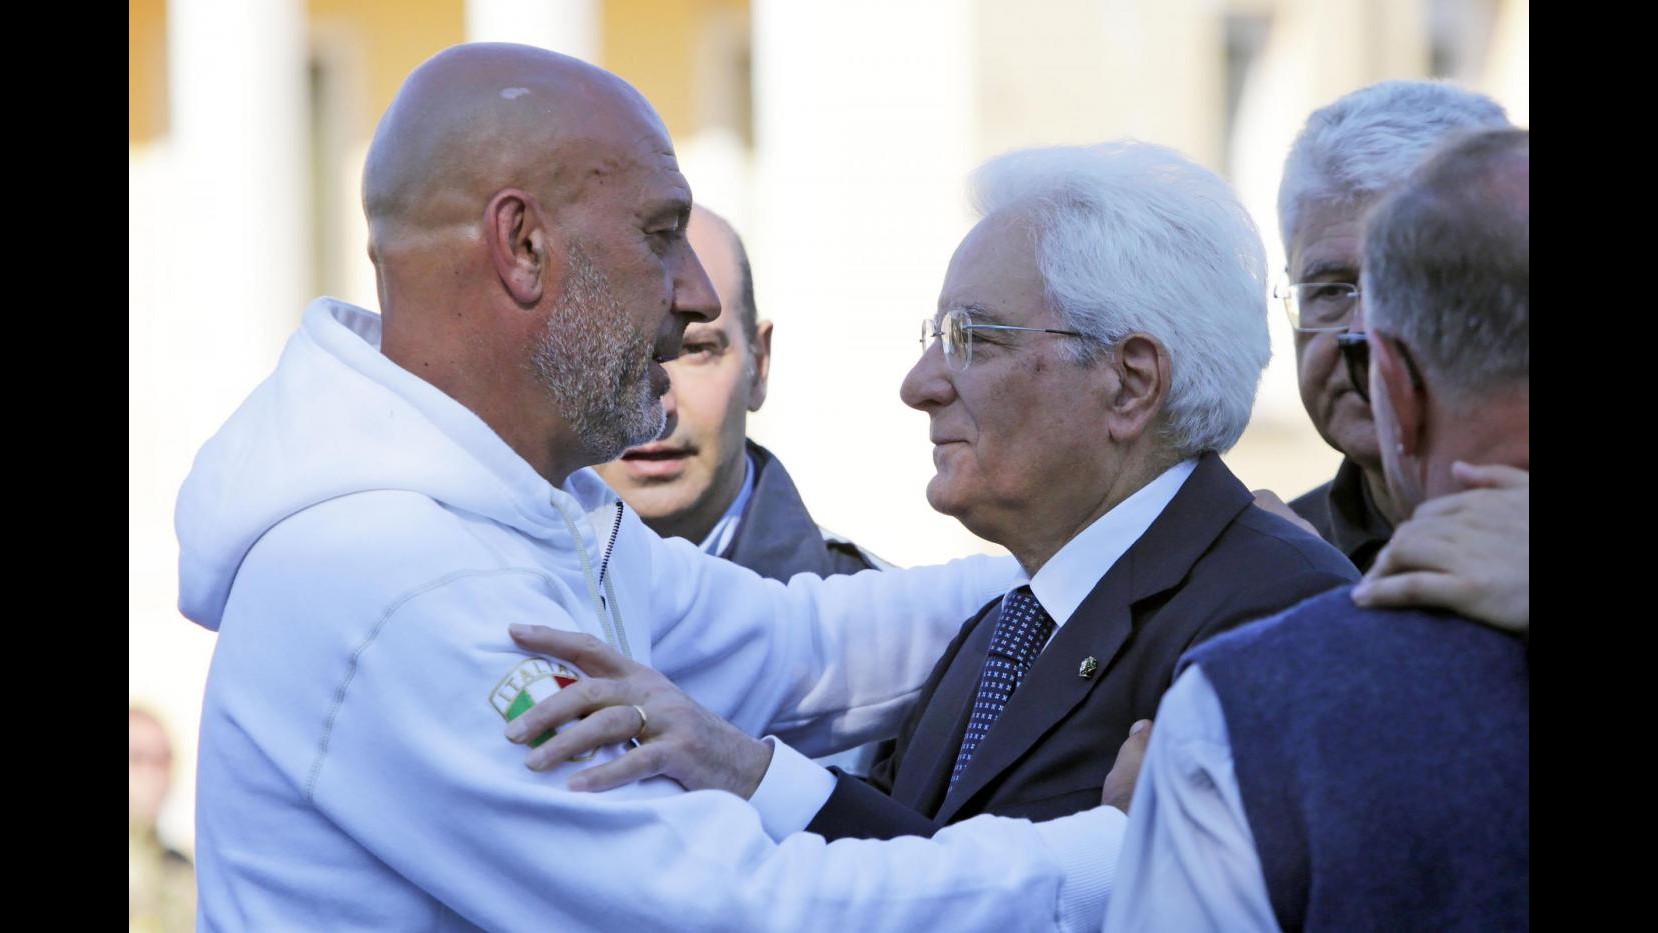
{"points": [[1316, 307], [955, 328]]}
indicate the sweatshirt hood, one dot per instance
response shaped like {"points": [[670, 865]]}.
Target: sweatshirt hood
{"points": [[336, 418]]}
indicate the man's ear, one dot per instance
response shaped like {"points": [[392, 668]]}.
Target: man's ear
{"points": [[1408, 401], [762, 365], [1142, 367], [520, 245]]}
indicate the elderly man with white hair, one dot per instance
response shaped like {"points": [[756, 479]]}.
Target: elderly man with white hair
{"points": [[1350, 154], [1467, 551], [1096, 346]]}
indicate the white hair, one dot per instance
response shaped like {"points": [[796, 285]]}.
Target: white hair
{"points": [[1368, 141], [1133, 236]]}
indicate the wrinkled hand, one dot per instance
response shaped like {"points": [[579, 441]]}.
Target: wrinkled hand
{"points": [[680, 739], [1468, 552], [1267, 499], [1118, 789]]}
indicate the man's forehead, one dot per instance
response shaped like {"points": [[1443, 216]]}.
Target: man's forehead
{"points": [[664, 196], [1327, 242], [645, 166], [715, 244], [665, 185], [994, 274]]}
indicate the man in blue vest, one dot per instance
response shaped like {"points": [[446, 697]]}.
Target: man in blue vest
{"points": [[1346, 768]]}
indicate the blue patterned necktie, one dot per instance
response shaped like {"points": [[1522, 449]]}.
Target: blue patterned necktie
{"points": [[1021, 631]]}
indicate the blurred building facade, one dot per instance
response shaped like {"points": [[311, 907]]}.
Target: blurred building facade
{"points": [[837, 137]]}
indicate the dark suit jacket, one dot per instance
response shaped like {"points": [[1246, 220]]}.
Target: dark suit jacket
{"points": [[1209, 562], [777, 537]]}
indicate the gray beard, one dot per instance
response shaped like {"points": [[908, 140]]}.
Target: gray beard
{"points": [[598, 380]]}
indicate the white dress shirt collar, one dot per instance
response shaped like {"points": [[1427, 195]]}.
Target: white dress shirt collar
{"points": [[719, 538], [1072, 573]]}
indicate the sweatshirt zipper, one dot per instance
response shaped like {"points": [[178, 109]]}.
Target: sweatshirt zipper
{"points": [[610, 591], [604, 563], [609, 622]]}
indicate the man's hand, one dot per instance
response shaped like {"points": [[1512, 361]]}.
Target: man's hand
{"points": [[1468, 552], [1118, 789], [1267, 499], [677, 738]]}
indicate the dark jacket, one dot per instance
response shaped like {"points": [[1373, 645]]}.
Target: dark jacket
{"points": [[1346, 516], [777, 537], [1211, 561]]}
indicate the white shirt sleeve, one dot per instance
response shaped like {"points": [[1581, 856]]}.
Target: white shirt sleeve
{"points": [[795, 789], [1189, 861], [415, 769], [792, 791], [824, 664]]}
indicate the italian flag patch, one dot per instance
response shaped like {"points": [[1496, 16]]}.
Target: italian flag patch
{"points": [[533, 680]]}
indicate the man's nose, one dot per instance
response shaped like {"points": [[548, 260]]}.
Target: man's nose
{"points": [[928, 385]]}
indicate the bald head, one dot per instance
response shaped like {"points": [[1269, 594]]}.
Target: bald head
{"points": [[721, 251], [477, 118], [527, 225]]}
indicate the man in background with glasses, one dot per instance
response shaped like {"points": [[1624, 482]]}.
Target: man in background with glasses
{"points": [[1382, 753], [1096, 346], [1467, 552], [1350, 154]]}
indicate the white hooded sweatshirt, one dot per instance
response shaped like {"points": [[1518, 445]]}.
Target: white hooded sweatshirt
{"points": [[361, 542]]}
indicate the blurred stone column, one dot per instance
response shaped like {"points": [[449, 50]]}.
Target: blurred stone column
{"points": [[864, 127], [219, 271], [240, 127], [1508, 61], [568, 26]]}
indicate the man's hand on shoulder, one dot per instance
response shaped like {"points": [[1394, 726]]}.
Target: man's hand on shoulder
{"points": [[620, 700], [1118, 789], [1469, 552], [1268, 500]]}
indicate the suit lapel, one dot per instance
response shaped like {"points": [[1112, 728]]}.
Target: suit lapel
{"points": [[925, 773], [1161, 558], [1052, 689], [1185, 530]]}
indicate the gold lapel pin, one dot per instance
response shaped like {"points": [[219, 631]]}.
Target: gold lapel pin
{"points": [[1088, 667]]}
